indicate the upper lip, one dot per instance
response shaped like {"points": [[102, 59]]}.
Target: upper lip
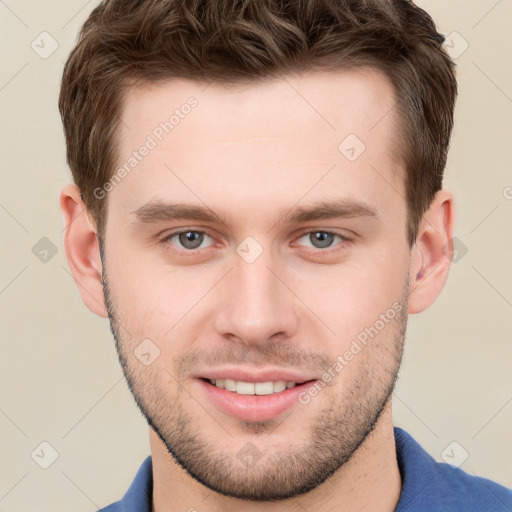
{"points": [[256, 375]]}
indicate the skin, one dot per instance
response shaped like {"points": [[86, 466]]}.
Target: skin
{"points": [[252, 154]]}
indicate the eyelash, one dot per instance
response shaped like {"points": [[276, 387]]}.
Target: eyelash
{"points": [[313, 250]]}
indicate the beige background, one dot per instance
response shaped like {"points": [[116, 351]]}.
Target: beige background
{"points": [[61, 382]]}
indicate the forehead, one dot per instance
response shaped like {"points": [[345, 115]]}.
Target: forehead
{"points": [[279, 139], [333, 102]]}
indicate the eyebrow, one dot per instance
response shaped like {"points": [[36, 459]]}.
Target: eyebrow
{"points": [[160, 211], [324, 210]]}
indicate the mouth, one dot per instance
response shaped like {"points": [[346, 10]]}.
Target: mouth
{"points": [[254, 401], [254, 388]]}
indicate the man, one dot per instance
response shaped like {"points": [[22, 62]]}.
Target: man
{"points": [[257, 208]]}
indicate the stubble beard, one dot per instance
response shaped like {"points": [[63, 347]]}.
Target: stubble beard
{"points": [[336, 432]]}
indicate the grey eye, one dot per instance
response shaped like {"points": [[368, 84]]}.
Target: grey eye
{"points": [[191, 239], [321, 239]]}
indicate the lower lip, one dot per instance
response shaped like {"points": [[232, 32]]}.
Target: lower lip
{"points": [[254, 407]]}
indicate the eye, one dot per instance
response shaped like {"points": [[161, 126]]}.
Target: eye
{"points": [[322, 239], [188, 240]]}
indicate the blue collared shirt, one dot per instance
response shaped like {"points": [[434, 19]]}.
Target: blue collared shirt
{"points": [[427, 485]]}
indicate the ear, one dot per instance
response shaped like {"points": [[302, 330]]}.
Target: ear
{"points": [[432, 252], [82, 249]]}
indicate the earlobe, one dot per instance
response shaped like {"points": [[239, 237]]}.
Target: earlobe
{"points": [[82, 249], [431, 254]]}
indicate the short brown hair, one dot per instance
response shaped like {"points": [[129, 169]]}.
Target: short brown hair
{"points": [[127, 42]]}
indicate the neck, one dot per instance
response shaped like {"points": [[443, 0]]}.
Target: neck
{"points": [[370, 480]]}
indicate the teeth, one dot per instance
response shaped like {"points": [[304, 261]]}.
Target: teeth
{"points": [[244, 388], [280, 385], [229, 384], [251, 388], [263, 388]]}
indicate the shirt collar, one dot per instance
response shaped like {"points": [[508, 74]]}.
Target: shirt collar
{"points": [[138, 497], [417, 469]]}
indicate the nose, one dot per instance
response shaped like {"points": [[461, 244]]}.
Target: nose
{"points": [[257, 303]]}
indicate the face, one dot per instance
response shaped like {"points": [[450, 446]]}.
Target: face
{"points": [[255, 272]]}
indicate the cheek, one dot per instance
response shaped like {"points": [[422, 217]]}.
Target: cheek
{"points": [[156, 301], [351, 296]]}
